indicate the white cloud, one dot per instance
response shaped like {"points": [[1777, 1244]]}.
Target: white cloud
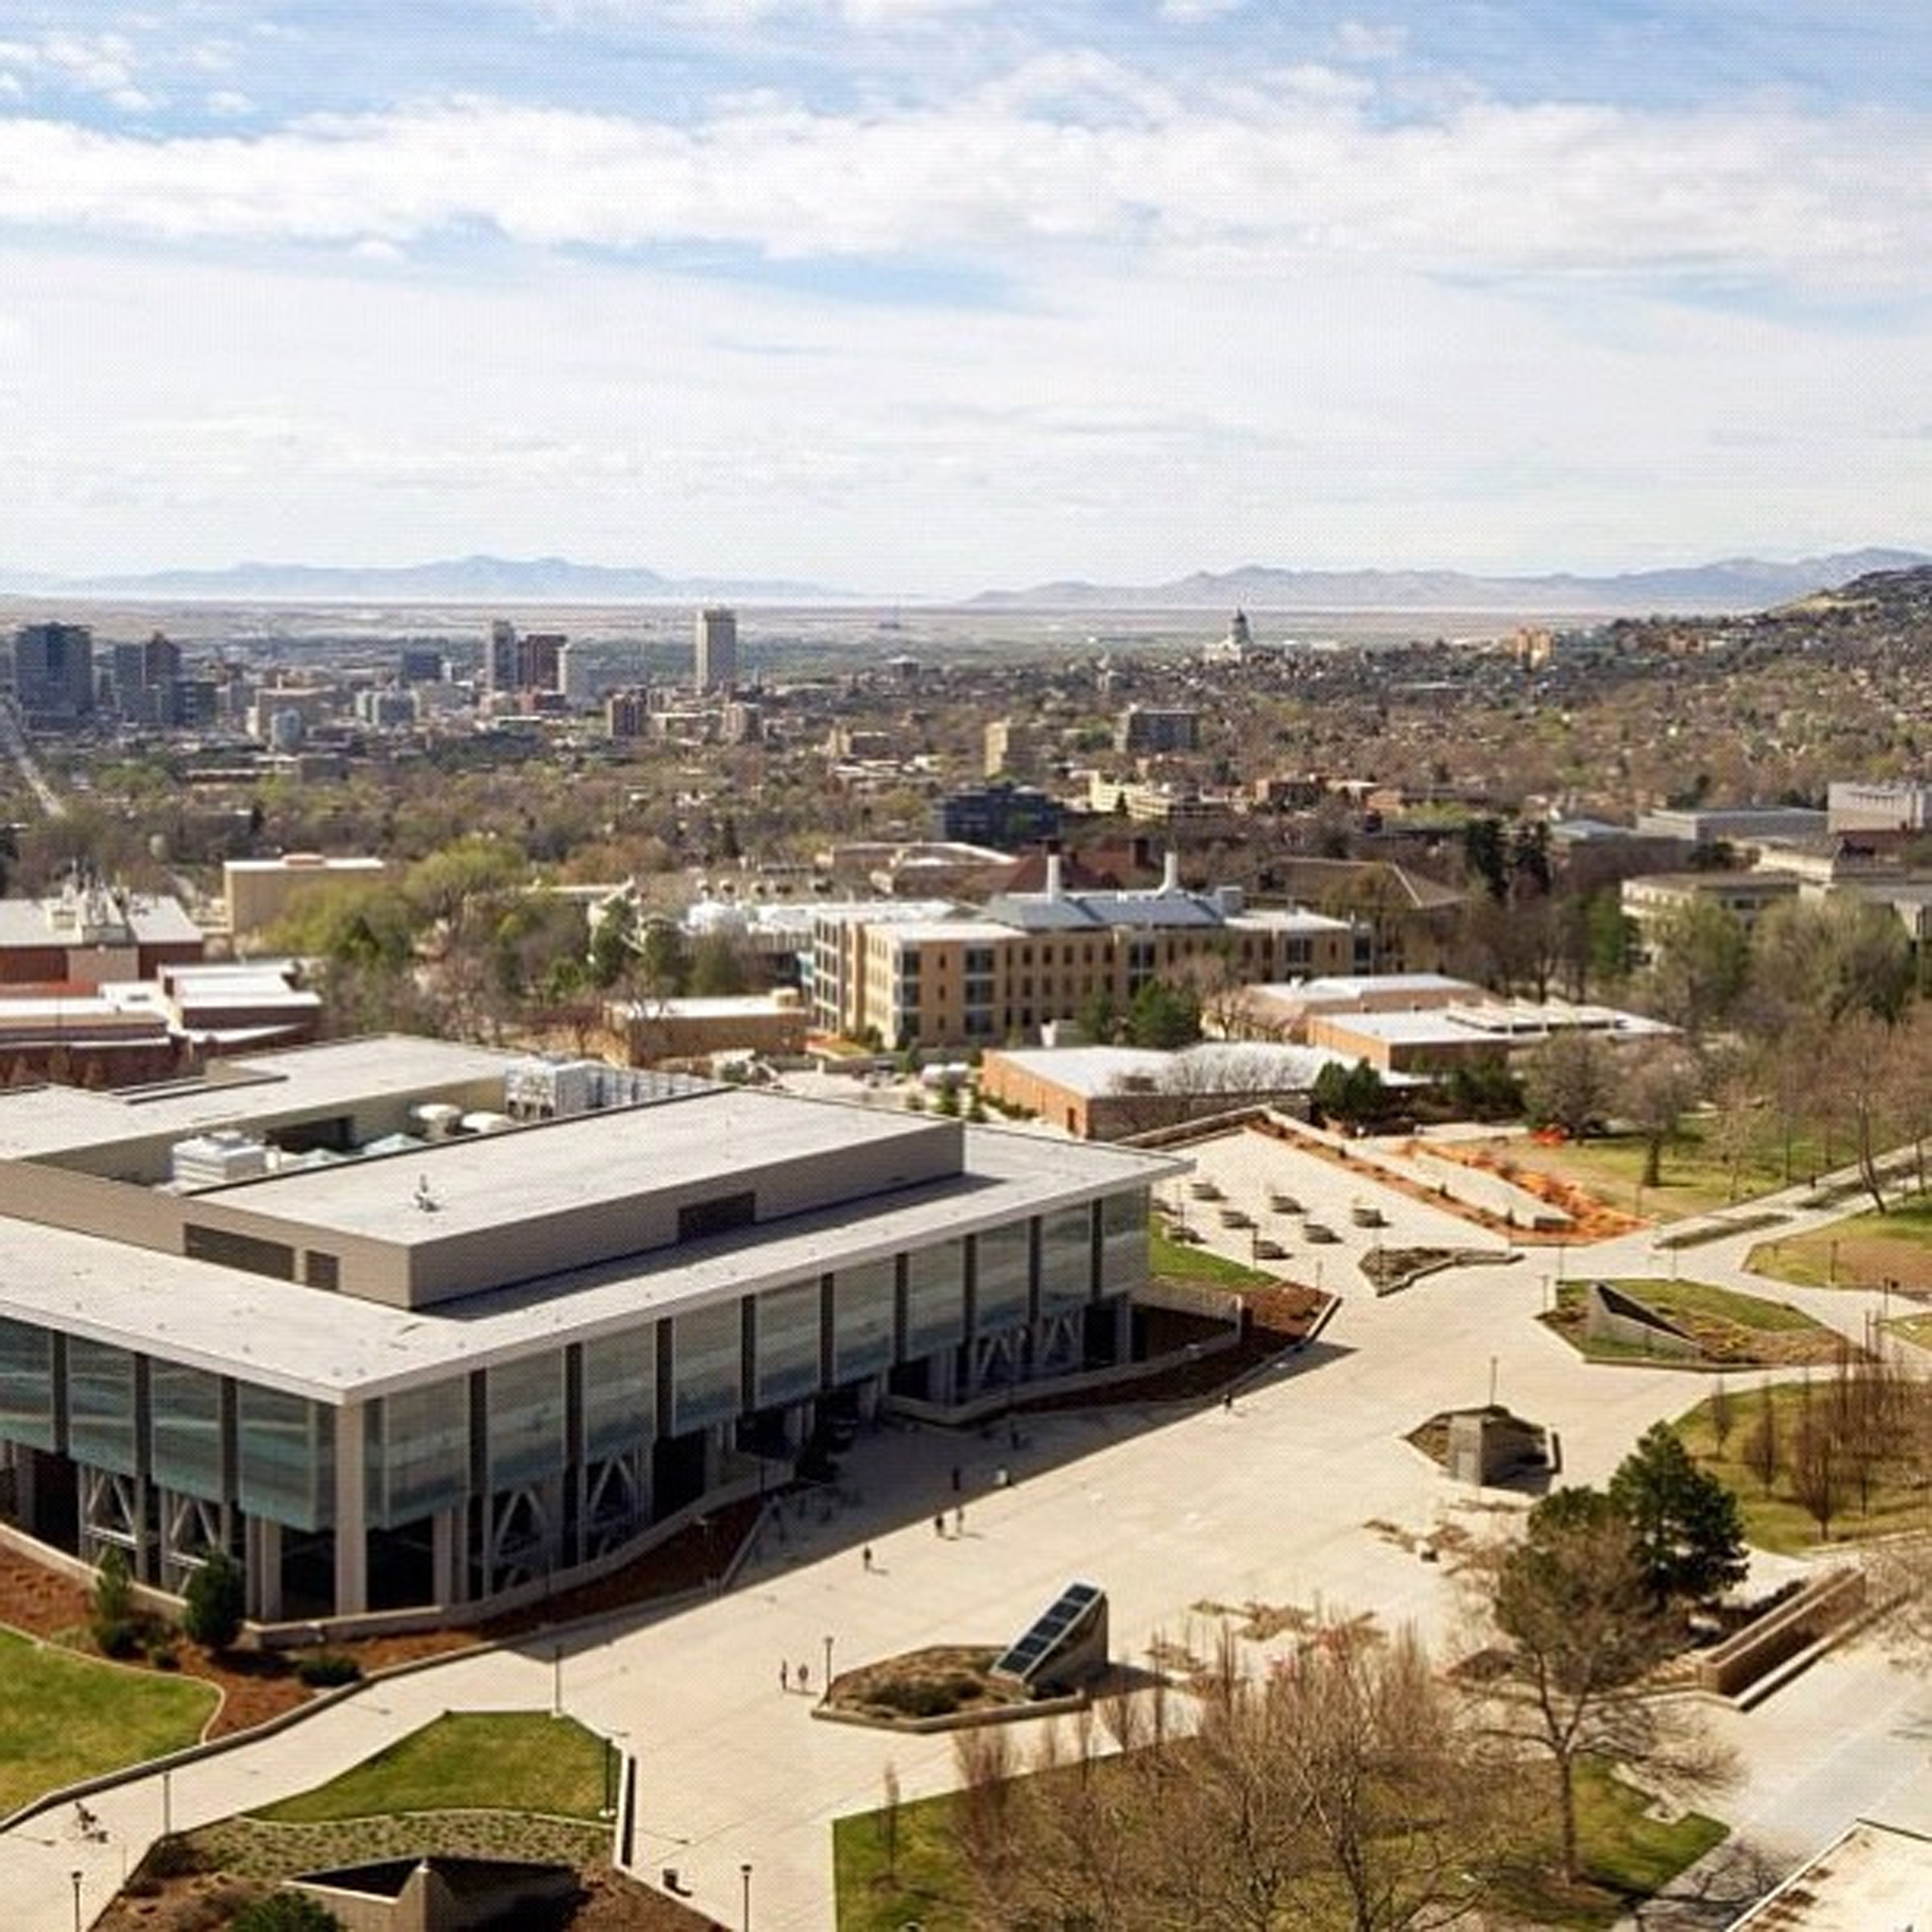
{"points": [[1074, 150], [1128, 430], [230, 103], [1187, 12], [1357, 40]]}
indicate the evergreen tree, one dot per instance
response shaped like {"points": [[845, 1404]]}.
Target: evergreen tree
{"points": [[1689, 1537]]}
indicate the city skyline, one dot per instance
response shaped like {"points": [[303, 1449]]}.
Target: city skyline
{"points": [[935, 295]]}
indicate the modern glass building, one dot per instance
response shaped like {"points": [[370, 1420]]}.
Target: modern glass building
{"points": [[401, 1324]]}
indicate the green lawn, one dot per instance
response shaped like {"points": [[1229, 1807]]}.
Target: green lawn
{"points": [[513, 1760], [63, 1717], [1695, 1180], [1627, 1857], [1776, 1520], [1859, 1252], [1681, 1298], [1914, 1327], [1186, 1263]]}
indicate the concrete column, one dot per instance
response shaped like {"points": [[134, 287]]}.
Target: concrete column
{"points": [[942, 1382], [1123, 1329], [714, 1455], [264, 1561], [352, 1529], [446, 1564]]}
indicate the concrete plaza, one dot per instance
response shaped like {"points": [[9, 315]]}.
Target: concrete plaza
{"points": [[1271, 1501]]}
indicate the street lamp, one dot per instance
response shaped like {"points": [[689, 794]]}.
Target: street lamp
{"points": [[825, 1689], [556, 1680], [745, 1873], [75, 1877]]}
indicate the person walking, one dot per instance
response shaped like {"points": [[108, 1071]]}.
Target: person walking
{"points": [[865, 1556], [959, 1519], [784, 1676], [939, 1522]]}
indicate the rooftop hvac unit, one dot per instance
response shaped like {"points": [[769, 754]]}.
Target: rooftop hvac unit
{"points": [[436, 1120], [213, 1160], [485, 1121]]}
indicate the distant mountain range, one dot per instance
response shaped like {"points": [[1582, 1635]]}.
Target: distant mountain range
{"points": [[453, 581], [1735, 584]]}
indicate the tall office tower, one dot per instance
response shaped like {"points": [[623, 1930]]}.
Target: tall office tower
{"points": [[537, 657], [54, 671], [500, 657], [717, 649]]}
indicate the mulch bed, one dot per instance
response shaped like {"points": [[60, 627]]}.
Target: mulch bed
{"points": [[256, 1686]]}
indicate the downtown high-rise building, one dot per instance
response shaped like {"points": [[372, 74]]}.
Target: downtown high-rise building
{"points": [[54, 671], [716, 661]]}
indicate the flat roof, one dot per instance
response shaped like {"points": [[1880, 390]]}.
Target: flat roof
{"points": [[335, 1348], [485, 1181], [1874, 1877], [1094, 1071], [43, 1122]]}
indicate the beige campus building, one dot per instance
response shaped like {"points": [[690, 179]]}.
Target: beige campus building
{"points": [[1028, 958]]}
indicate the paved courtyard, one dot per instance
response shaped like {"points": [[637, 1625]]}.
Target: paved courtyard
{"points": [[1166, 1509]]}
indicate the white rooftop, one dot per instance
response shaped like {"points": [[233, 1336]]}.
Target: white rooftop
{"points": [[331, 1348], [1248, 1066]]}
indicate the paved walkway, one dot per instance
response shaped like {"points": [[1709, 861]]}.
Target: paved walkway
{"points": [[1166, 1509]]}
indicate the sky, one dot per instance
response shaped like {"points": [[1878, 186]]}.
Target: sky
{"points": [[921, 297]]}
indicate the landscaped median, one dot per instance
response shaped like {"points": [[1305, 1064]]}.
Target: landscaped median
{"points": [[1688, 1325]]}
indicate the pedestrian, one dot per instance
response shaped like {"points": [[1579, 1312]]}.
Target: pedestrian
{"points": [[939, 1522], [804, 1677], [959, 1519], [1227, 1404], [784, 1676], [865, 1556]]}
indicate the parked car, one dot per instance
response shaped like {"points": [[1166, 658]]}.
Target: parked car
{"points": [[1237, 1217], [1267, 1250]]}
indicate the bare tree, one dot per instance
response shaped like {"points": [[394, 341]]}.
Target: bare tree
{"points": [[1815, 1463], [1573, 1599], [1763, 1455], [1659, 1085]]}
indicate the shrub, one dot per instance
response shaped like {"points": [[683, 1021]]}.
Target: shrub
{"points": [[116, 1628], [285, 1911], [215, 1598], [325, 1670]]}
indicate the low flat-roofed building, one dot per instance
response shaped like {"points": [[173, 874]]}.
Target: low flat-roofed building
{"points": [[694, 1028], [1652, 898], [1106, 1093], [89, 933], [1872, 1878], [259, 891], [1879, 805], [450, 1324], [1439, 1039], [1281, 1010]]}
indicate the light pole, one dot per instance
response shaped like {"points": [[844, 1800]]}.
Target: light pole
{"points": [[745, 1873], [825, 1688], [75, 1877], [167, 1805], [556, 1680]]}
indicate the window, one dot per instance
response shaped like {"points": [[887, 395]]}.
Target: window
{"points": [[1066, 1259], [787, 1358], [100, 1406], [935, 1298], [26, 1384], [186, 1404], [418, 1452], [1002, 1282], [620, 1391], [862, 1314], [718, 1216], [227, 1249], [287, 1458], [320, 1270], [526, 1406], [708, 1355]]}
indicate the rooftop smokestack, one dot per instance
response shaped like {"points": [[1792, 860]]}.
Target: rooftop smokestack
{"points": [[1171, 873], [1053, 868]]}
